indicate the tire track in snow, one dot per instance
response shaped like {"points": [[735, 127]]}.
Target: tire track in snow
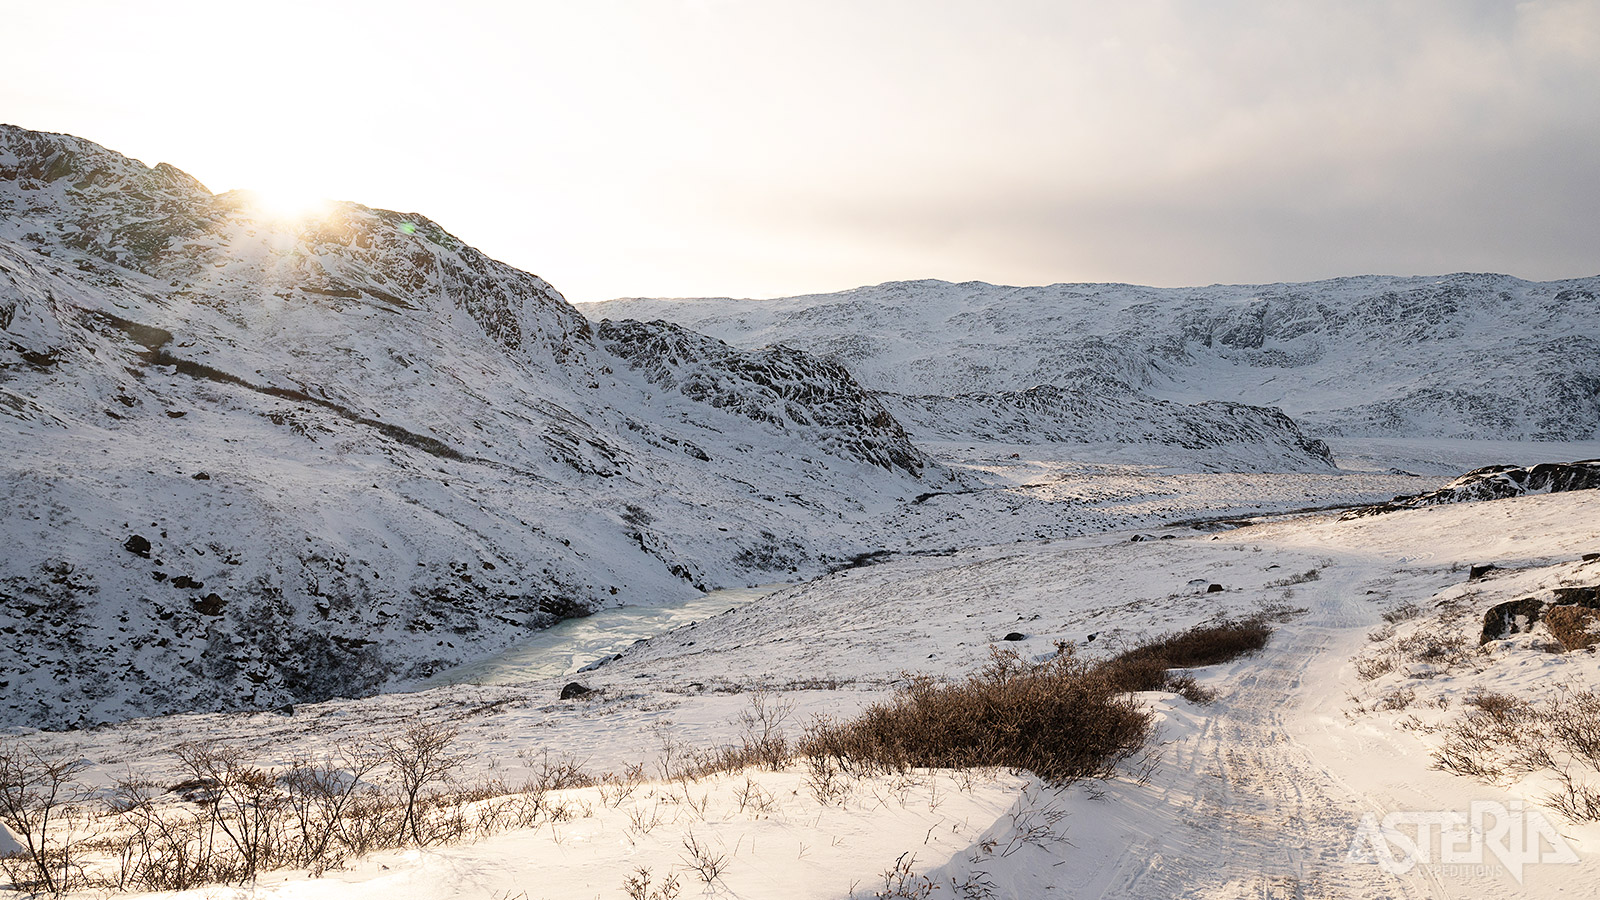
{"points": [[1251, 812]]}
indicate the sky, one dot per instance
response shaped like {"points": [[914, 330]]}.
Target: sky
{"points": [[727, 148]]}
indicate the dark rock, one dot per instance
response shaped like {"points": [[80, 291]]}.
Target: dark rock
{"points": [[285, 710], [1497, 483], [574, 690], [1214, 588], [200, 476], [184, 582], [1476, 572], [210, 605], [781, 387], [176, 413], [1579, 596], [1590, 557], [1511, 617], [137, 545], [1015, 636]]}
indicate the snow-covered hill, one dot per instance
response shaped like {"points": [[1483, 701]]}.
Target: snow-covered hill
{"points": [[1465, 356], [247, 460], [1214, 436]]}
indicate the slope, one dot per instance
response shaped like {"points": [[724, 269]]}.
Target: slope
{"points": [[250, 460]]}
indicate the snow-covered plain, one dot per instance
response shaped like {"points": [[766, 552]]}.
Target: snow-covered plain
{"points": [[1260, 793]]}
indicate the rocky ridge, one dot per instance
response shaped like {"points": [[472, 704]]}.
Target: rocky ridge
{"points": [[250, 460], [1498, 482]]}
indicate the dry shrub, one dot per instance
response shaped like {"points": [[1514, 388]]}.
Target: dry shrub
{"points": [[1204, 645], [1402, 613], [1440, 646], [1300, 578], [1447, 648], [1063, 720], [1145, 667], [1375, 666], [1502, 737], [40, 799], [1191, 690]]}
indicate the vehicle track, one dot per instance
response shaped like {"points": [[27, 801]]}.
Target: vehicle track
{"points": [[1253, 814]]}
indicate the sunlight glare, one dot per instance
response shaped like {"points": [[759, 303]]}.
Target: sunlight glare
{"points": [[288, 202]]}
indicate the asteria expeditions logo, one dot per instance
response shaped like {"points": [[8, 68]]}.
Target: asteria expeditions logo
{"points": [[1487, 834]]}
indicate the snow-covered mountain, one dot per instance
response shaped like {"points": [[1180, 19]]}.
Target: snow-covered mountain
{"points": [[1471, 356], [250, 460]]}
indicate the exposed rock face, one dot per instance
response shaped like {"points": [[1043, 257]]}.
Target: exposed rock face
{"points": [[1498, 483], [1511, 617], [783, 388], [1370, 355], [249, 461]]}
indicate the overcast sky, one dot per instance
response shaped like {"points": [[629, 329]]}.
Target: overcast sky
{"points": [[720, 147]]}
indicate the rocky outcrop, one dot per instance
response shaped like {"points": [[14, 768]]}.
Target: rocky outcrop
{"points": [[1511, 617], [779, 387], [1576, 627], [1498, 483], [1573, 617]]}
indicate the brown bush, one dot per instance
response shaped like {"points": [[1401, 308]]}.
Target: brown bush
{"points": [[1502, 737], [1063, 720], [1577, 627], [1205, 645]]}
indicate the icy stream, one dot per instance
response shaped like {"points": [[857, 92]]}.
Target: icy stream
{"points": [[574, 643]]}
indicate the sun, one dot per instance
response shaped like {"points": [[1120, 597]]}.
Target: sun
{"points": [[288, 201]]}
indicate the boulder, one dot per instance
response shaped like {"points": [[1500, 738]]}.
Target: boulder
{"points": [[1511, 617], [1477, 572], [1015, 636], [574, 690], [1577, 627], [1578, 596]]}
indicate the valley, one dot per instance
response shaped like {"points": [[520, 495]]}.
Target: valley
{"points": [[293, 486]]}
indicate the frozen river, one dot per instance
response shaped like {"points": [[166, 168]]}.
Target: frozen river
{"points": [[566, 647]]}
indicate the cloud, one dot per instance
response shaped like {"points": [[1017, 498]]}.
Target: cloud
{"points": [[715, 146], [1188, 143]]}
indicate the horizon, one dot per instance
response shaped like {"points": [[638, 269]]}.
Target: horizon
{"points": [[722, 149]]}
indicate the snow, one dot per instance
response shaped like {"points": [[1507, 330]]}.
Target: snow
{"points": [[1260, 792], [1464, 355], [409, 444]]}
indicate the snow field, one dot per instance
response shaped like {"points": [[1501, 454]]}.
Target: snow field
{"points": [[1257, 794]]}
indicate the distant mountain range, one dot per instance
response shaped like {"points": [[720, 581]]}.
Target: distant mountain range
{"points": [[1463, 356]]}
